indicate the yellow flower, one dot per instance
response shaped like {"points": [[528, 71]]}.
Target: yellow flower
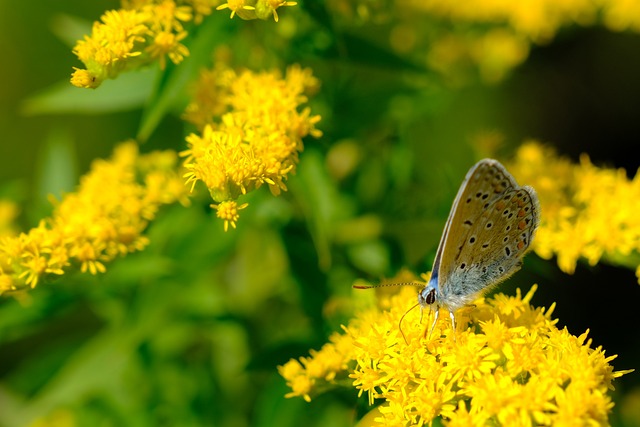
{"points": [[255, 9], [166, 15], [141, 32], [621, 15], [113, 41], [243, 8], [507, 362], [167, 43], [105, 218], [84, 79], [8, 213], [497, 52], [267, 8], [228, 211], [453, 37], [88, 254], [208, 96], [202, 8], [252, 131], [464, 418], [576, 199], [539, 21]]}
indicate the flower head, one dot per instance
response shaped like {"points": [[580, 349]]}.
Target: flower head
{"points": [[507, 362], [228, 211], [96, 223], [251, 131], [141, 32], [494, 37], [255, 9], [576, 199]]}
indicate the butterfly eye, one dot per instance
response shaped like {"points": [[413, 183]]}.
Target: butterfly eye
{"points": [[431, 297], [427, 297]]}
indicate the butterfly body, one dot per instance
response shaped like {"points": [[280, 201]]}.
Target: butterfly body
{"points": [[489, 229]]}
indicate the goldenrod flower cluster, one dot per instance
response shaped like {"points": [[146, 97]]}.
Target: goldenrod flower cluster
{"points": [[507, 364], [255, 9], [252, 132], [537, 21], [492, 36], [141, 32], [589, 212], [145, 31], [510, 28], [103, 219]]}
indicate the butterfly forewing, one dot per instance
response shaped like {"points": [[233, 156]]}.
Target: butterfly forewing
{"points": [[490, 226]]}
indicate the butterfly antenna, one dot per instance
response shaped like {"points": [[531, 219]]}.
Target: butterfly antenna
{"points": [[385, 285], [402, 318]]}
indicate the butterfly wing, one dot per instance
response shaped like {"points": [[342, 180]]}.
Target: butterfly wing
{"points": [[490, 227]]}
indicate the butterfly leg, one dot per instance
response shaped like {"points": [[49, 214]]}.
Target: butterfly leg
{"points": [[435, 320], [453, 324]]}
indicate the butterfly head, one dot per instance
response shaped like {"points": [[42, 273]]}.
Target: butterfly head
{"points": [[428, 296]]}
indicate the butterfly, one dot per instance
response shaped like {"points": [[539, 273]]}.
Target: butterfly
{"points": [[489, 229]]}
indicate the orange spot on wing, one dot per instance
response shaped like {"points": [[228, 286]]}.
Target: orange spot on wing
{"points": [[522, 225]]}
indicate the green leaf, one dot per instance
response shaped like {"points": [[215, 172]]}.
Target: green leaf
{"points": [[70, 28], [320, 201], [128, 92]]}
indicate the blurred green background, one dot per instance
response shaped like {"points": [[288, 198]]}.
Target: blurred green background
{"points": [[190, 331]]}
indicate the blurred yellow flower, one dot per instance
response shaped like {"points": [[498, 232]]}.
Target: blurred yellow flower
{"points": [[166, 43], [539, 21], [621, 15], [9, 211], [507, 363], [493, 36], [103, 219], [255, 9], [576, 200], [57, 418], [252, 131]]}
